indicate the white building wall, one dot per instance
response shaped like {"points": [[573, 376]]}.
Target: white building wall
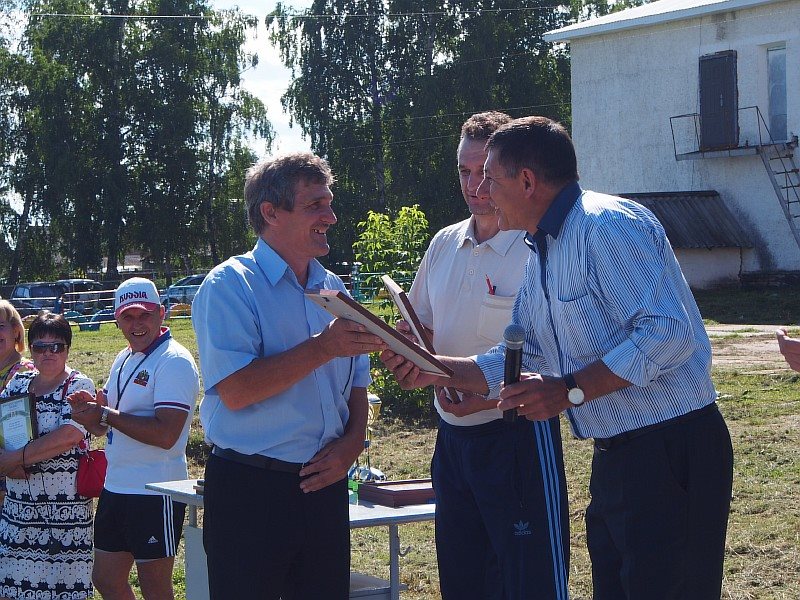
{"points": [[626, 85], [710, 268]]}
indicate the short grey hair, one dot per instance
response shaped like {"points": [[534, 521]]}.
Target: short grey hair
{"points": [[274, 179]]}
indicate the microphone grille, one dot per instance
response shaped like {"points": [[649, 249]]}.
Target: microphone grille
{"points": [[514, 334]]}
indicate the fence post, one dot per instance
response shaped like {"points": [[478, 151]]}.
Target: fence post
{"points": [[355, 281]]}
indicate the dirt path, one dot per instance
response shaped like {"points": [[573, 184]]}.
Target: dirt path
{"points": [[752, 348]]}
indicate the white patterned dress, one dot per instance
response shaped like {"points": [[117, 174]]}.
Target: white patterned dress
{"points": [[45, 527]]}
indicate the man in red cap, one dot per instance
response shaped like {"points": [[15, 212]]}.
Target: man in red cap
{"points": [[145, 412]]}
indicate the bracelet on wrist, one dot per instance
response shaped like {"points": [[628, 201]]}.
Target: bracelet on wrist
{"points": [[25, 467]]}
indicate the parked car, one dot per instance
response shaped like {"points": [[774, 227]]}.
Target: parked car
{"points": [[182, 291], [86, 296], [29, 298]]}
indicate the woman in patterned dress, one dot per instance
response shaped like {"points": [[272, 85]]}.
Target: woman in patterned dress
{"points": [[12, 345], [45, 527]]}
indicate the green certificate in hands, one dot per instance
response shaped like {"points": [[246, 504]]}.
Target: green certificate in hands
{"points": [[17, 421]]}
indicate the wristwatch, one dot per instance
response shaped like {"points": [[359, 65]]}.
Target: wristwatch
{"points": [[104, 416], [574, 394]]}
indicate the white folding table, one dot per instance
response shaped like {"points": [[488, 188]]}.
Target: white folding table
{"points": [[364, 514]]}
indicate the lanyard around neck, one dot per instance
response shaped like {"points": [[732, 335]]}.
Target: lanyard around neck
{"points": [[121, 390]]}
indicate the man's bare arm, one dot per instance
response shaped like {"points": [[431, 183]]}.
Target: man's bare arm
{"points": [[268, 376], [161, 430], [790, 348], [467, 375]]}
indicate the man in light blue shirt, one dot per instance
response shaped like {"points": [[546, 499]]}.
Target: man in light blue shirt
{"points": [[614, 340], [285, 404]]}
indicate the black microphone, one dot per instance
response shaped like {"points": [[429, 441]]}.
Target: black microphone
{"points": [[514, 339]]}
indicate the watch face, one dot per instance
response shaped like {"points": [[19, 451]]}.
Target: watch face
{"points": [[575, 395]]}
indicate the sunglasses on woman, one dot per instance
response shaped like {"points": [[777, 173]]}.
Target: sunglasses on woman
{"points": [[54, 347]]}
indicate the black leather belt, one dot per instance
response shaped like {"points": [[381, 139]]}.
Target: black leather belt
{"points": [[626, 436], [258, 461]]}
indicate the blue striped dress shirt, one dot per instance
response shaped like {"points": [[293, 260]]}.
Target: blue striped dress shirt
{"points": [[602, 283]]}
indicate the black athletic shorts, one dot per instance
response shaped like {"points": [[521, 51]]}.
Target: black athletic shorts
{"points": [[149, 527]]}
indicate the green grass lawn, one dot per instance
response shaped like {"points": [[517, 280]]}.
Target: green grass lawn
{"points": [[763, 306], [762, 411]]}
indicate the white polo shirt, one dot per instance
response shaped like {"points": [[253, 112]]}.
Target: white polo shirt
{"points": [[164, 376], [451, 295]]}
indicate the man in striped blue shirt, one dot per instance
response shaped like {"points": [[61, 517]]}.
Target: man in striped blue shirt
{"points": [[615, 340]]}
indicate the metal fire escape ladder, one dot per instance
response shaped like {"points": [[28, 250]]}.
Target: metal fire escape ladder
{"points": [[779, 160]]}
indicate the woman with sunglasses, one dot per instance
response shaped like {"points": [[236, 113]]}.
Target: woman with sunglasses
{"points": [[45, 526]]}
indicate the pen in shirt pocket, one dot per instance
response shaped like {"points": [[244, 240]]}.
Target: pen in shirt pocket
{"points": [[492, 288]]}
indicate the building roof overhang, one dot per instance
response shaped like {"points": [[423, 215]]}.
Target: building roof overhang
{"points": [[655, 13], [696, 219]]}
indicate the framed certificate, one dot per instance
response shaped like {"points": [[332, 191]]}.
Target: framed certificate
{"points": [[18, 424], [397, 493], [408, 313], [341, 305]]}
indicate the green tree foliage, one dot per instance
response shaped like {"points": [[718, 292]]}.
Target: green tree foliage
{"points": [[382, 87], [374, 247], [230, 114], [409, 405], [392, 245], [228, 211], [128, 132]]}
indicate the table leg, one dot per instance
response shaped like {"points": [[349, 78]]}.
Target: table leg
{"points": [[394, 562], [195, 559]]}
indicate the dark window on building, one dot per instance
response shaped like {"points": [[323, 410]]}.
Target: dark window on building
{"points": [[776, 64]]}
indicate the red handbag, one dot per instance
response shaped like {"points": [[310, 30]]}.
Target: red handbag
{"points": [[92, 464], [92, 467]]}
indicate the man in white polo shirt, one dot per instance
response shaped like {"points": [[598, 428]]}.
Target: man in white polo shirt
{"points": [[501, 499], [145, 412]]}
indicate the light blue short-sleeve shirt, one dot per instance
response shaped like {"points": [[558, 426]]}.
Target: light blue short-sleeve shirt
{"points": [[252, 306]]}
